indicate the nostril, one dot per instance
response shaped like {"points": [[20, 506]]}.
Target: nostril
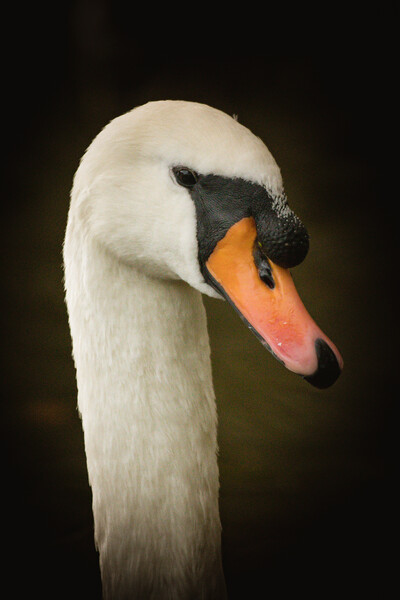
{"points": [[328, 367], [263, 266]]}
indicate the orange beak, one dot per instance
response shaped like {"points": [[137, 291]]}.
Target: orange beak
{"points": [[275, 314]]}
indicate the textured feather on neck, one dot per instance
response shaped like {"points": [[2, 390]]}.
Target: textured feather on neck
{"points": [[141, 351]]}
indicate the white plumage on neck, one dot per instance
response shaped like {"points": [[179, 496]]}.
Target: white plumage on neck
{"points": [[147, 403]]}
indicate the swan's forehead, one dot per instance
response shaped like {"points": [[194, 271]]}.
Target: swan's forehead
{"points": [[202, 138]]}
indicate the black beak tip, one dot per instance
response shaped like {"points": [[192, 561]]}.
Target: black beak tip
{"points": [[328, 367]]}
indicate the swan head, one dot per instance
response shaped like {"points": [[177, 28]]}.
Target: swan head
{"points": [[181, 190]]}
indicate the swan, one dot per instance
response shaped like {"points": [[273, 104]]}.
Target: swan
{"points": [[173, 200]]}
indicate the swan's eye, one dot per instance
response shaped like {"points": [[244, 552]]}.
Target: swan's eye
{"points": [[185, 176]]}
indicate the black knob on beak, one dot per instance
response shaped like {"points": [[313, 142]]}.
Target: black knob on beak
{"points": [[282, 235], [285, 241]]}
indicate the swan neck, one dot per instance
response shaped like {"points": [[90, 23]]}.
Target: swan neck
{"points": [[147, 404]]}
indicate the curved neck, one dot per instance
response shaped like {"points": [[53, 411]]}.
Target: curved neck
{"points": [[146, 399]]}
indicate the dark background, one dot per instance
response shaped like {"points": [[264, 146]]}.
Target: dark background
{"points": [[307, 493]]}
